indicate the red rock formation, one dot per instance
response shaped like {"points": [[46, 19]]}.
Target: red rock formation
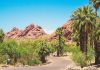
{"points": [[30, 31], [67, 31]]}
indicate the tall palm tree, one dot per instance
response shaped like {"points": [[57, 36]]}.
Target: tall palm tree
{"points": [[97, 43], [1, 35], [96, 5], [83, 24], [59, 33]]}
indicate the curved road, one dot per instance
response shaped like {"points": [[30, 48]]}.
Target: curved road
{"points": [[57, 63]]}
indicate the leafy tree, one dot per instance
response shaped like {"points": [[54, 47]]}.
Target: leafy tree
{"points": [[9, 48], [43, 50], [83, 24]]}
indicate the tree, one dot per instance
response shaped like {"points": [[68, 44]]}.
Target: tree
{"points": [[83, 24], [96, 5], [1, 35], [97, 43], [59, 33], [96, 35], [9, 48], [43, 50]]}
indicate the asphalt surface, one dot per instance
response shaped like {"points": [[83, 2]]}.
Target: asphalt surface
{"points": [[57, 63]]}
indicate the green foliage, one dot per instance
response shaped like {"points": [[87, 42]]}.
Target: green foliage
{"points": [[9, 49], [69, 47], [59, 31], [80, 58], [90, 55], [43, 50], [53, 44], [60, 41], [33, 62], [24, 51], [1, 35], [97, 31]]}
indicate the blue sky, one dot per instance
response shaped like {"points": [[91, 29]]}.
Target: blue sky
{"points": [[49, 14]]}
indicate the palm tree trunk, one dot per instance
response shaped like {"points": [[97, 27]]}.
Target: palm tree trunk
{"points": [[58, 48], [43, 59], [85, 42], [81, 41], [58, 54]]}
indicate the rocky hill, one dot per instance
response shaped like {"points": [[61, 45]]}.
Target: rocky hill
{"points": [[32, 31]]}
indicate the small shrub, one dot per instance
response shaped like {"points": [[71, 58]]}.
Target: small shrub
{"points": [[43, 50], [80, 58], [33, 62]]}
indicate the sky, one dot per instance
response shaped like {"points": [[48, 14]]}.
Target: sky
{"points": [[49, 14]]}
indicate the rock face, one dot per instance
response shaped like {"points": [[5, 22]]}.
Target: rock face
{"points": [[67, 31], [30, 31]]}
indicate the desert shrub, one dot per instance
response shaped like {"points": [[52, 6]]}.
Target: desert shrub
{"points": [[69, 48], [90, 55], [2, 59], [25, 51], [78, 57], [9, 50], [81, 58], [33, 62], [17, 51], [52, 46]]}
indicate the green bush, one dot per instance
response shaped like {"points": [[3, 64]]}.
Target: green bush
{"points": [[78, 57], [81, 58], [69, 48], [43, 50], [25, 51], [33, 62], [2, 59], [17, 51], [90, 55]]}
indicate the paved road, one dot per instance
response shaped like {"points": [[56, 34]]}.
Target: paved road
{"points": [[57, 63]]}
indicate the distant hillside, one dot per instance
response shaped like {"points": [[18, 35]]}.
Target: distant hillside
{"points": [[32, 31]]}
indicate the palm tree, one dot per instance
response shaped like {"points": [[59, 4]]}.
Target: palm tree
{"points": [[96, 5], [97, 43], [59, 33], [83, 24], [1, 35]]}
